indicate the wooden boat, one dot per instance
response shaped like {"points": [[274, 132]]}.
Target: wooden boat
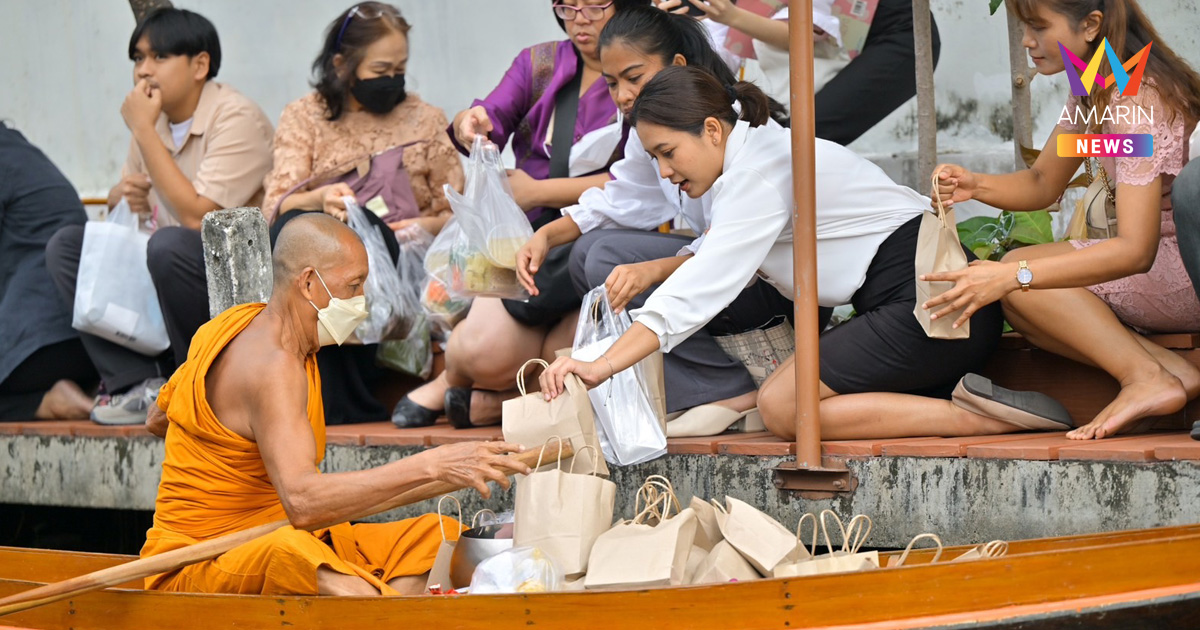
{"points": [[1140, 578]]}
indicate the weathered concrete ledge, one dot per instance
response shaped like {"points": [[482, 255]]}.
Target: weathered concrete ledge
{"points": [[964, 500]]}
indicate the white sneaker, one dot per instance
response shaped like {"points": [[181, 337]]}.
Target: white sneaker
{"points": [[130, 407]]}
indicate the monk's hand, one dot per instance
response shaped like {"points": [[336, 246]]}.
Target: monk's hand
{"points": [[980, 284], [474, 464], [530, 258], [554, 378], [156, 421]]}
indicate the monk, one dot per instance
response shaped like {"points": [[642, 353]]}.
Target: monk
{"points": [[245, 432]]}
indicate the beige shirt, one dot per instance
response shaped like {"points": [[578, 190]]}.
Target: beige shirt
{"points": [[309, 146], [226, 153]]}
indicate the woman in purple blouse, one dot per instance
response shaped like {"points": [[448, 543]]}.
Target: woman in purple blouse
{"points": [[498, 336]]}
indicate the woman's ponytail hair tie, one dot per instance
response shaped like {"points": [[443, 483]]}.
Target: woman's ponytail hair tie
{"points": [[733, 93]]}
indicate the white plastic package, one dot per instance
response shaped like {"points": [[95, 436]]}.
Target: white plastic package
{"points": [[115, 297], [630, 432], [517, 570], [391, 311]]}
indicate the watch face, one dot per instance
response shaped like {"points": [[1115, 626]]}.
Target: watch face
{"points": [[1024, 276]]}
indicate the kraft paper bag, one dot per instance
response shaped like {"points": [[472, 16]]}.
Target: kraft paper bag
{"points": [[760, 538], [695, 557], [899, 562], [563, 512], [804, 553], [847, 559], [724, 564], [439, 575], [708, 533], [530, 420], [635, 553], [938, 250]]}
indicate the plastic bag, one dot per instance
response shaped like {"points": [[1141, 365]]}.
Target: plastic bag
{"points": [[413, 354], [517, 570], [625, 411], [115, 297], [494, 224], [465, 271], [391, 313]]}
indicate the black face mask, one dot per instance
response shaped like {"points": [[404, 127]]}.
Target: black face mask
{"points": [[381, 94]]}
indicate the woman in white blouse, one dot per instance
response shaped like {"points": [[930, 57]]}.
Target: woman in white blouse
{"points": [[879, 372]]}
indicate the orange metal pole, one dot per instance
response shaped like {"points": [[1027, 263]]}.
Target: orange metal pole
{"points": [[804, 239]]}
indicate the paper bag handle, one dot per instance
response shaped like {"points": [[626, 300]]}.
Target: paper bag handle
{"points": [[521, 374], [800, 527], [857, 533], [475, 519], [543, 451], [442, 523], [927, 536], [595, 461], [941, 209], [993, 549], [664, 483], [825, 528]]}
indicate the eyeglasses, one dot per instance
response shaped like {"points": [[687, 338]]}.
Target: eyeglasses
{"points": [[368, 12], [592, 12]]}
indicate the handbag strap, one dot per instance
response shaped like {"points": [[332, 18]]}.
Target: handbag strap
{"points": [[1087, 167], [566, 110]]}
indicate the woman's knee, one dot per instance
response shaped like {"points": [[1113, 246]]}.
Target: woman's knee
{"points": [[777, 404]]}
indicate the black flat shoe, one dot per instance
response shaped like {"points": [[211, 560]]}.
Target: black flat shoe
{"points": [[1196, 430], [410, 415], [458, 407]]}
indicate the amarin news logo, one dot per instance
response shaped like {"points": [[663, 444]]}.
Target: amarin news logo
{"points": [[1128, 79], [1127, 84]]}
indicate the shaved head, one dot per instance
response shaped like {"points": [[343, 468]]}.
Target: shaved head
{"points": [[314, 239]]}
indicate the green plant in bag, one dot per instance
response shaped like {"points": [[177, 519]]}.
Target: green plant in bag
{"points": [[990, 238]]}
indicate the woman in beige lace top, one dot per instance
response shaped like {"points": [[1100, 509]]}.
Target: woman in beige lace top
{"points": [[327, 132]]}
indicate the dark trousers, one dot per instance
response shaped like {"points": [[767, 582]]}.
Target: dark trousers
{"points": [[696, 371], [1185, 201], [875, 83], [21, 393]]}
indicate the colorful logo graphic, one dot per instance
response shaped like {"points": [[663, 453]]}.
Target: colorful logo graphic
{"points": [[1127, 82]]}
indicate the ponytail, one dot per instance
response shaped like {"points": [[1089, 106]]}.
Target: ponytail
{"points": [[683, 97]]}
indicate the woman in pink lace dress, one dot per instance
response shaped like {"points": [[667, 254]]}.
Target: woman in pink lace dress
{"points": [[1090, 300]]}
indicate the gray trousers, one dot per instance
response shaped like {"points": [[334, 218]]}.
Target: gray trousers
{"points": [[175, 257], [697, 371], [1185, 200]]}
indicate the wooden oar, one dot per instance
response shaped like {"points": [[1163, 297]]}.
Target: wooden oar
{"points": [[209, 549]]}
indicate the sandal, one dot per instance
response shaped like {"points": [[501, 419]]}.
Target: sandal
{"points": [[410, 415], [705, 420], [458, 408]]}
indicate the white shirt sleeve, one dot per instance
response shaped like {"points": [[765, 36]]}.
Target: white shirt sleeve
{"points": [[634, 199], [749, 215]]}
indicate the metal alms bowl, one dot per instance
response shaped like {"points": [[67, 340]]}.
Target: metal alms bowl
{"points": [[475, 546]]}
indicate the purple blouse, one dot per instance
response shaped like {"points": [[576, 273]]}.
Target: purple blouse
{"points": [[522, 105]]}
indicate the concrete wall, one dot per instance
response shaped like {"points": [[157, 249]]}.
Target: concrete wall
{"points": [[65, 69]]}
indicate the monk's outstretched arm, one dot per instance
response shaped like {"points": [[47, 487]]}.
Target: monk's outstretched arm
{"points": [[312, 499]]}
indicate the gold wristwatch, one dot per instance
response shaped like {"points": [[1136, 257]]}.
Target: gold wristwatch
{"points": [[1024, 275]]}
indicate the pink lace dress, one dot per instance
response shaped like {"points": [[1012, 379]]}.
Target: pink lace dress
{"points": [[1162, 299]]}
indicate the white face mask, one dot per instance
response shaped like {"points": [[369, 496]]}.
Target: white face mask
{"points": [[336, 322]]}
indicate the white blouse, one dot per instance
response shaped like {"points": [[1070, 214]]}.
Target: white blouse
{"points": [[750, 230]]}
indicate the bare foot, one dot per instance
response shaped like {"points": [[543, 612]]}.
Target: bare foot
{"points": [[1181, 368], [1159, 395], [431, 395], [65, 401]]}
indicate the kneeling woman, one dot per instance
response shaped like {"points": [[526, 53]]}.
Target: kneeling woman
{"points": [[866, 241]]}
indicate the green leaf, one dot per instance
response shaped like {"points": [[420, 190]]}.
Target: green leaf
{"points": [[994, 4], [984, 252], [1031, 228], [977, 231]]}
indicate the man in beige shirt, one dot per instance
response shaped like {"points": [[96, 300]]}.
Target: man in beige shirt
{"points": [[197, 146]]}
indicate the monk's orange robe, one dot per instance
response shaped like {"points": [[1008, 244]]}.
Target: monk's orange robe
{"points": [[214, 483]]}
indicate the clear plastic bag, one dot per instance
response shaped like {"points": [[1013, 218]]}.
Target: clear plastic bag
{"points": [[465, 271], [625, 413], [517, 570], [115, 297], [391, 312], [413, 354], [493, 223]]}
